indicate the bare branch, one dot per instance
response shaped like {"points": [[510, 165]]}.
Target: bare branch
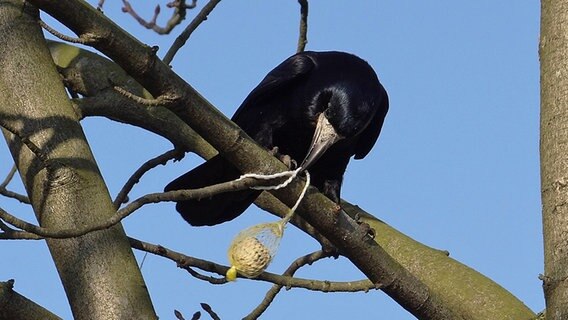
{"points": [[197, 275], [210, 311], [11, 194], [9, 176], [62, 36], [179, 14], [182, 38], [11, 234], [51, 166], [271, 294], [147, 166], [160, 101], [178, 315], [303, 37], [179, 195], [42, 156], [15, 306], [19, 235], [289, 282], [127, 8]]}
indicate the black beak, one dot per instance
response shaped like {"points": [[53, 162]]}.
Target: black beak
{"points": [[324, 137]]}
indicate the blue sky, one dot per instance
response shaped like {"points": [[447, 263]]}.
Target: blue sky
{"points": [[456, 166]]}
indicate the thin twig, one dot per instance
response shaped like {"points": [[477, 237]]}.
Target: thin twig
{"points": [[178, 315], [9, 176], [179, 14], [11, 194], [80, 40], [143, 101], [19, 235], [147, 166], [210, 311], [303, 37], [197, 275], [42, 156], [11, 234], [179, 195], [182, 38], [50, 166], [289, 282], [271, 294]]}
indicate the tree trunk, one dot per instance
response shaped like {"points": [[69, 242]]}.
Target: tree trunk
{"points": [[554, 154], [98, 270]]}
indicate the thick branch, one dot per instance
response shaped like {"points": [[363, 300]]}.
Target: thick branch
{"points": [[553, 150], [14, 306], [34, 102]]}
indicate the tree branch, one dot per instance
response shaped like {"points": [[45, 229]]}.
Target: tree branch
{"points": [[14, 306], [303, 36], [184, 36], [9, 176], [137, 175], [178, 195], [184, 261], [34, 101], [11, 194], [271, 294], [179, 14]]}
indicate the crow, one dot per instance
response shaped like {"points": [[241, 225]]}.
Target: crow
{"points": [[320, 108]]}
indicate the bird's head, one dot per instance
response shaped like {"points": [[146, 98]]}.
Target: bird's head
{"points": [[346, 113]]}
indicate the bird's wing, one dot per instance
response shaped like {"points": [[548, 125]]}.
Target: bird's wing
{"points": [[369, 136], [281, 77]]}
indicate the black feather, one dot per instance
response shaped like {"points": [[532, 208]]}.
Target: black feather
{"points": [[283, 111]]}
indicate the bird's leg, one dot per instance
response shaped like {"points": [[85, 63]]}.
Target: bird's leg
{"points": [[365, 227], [284, 158]]}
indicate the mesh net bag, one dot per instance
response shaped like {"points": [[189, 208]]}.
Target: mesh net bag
{"points": [[253, 249]]}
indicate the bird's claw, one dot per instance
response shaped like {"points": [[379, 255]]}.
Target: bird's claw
{"points": [[284, 158], [366, 228]]}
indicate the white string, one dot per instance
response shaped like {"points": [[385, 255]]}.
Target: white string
{"points": [[292, 174], [300, 198]]}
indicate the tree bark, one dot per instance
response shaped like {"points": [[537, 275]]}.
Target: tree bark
{"points": [[98, 270], [14, 306], [554, 154]]}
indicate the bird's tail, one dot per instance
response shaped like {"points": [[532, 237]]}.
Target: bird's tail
{"points": [[218, 208]]}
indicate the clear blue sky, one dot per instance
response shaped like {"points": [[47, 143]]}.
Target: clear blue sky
{"points": [[456, 166]]}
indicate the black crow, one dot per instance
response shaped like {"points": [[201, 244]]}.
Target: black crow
{"points": [[320, 108]]}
